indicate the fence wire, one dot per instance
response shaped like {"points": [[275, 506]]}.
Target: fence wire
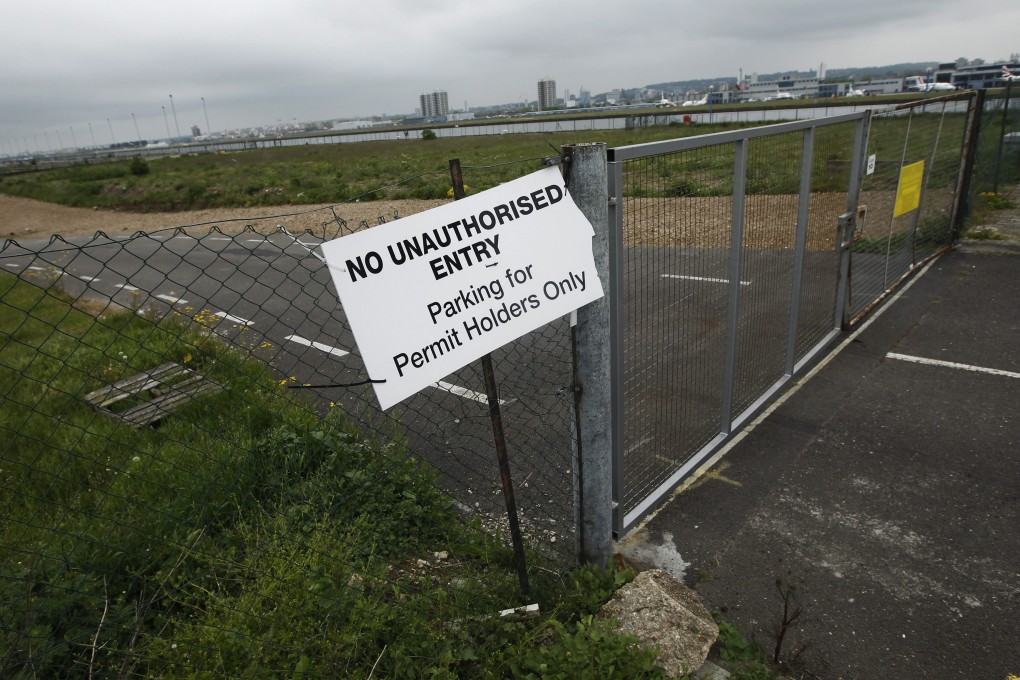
{"points": [[996, 165], [888, 246], [191, 464], [729, 282]]}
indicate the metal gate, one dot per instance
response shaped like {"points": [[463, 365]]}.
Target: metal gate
{"points": [[738, 256], [729, 274], [931, 137]]}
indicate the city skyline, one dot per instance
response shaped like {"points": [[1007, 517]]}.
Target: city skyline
{"points": [[92, 73]]}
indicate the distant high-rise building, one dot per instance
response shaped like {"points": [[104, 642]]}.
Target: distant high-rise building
{"points": [[434, 104], [546, 94]]}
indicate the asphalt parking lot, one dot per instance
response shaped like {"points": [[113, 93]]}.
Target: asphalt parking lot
{"points": [[883, 495]]}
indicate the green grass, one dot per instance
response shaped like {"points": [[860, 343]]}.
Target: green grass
{"points": [[245, 535], [319, 173], [396, 169]]}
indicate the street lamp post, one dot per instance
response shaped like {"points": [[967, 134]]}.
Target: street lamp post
{"points": [[174, 110], [208, 129], [166, 122]]}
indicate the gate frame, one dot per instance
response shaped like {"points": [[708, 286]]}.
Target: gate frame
{"points": [[729, 424]]}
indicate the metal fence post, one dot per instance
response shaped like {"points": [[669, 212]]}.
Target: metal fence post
{"points": [[586, 181], [961, 204]]}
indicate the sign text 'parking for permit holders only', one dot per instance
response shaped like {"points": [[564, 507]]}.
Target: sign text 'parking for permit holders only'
{"points": [[428, 294]]}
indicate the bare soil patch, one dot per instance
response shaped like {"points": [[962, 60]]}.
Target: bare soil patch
{"points": [[24, 218]]}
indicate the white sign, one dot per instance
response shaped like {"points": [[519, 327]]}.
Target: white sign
{"points": [[871, 164], [428, 294]]}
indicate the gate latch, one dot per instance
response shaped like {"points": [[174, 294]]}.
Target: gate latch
{"points": [[851, 225]]}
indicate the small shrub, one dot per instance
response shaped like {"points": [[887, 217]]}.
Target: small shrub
{"points": [[428, 134], [138, 166]]}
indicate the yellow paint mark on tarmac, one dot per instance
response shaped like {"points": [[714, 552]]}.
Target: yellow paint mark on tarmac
{"points": [[715, 474]]}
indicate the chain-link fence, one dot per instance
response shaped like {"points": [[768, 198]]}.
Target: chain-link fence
{"points": [[195, 477]]}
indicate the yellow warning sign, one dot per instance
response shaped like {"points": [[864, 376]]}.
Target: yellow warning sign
{"points": [[908, 193]]}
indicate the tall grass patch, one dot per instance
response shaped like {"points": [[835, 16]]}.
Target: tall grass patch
{"points": [[245, 534]]}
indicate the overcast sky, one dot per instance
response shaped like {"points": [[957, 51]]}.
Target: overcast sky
{"points": [[67, 65]]}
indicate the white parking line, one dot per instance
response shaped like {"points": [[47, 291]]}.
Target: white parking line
{"points": [[127, 287], [335, 351], [707, 279], [36, 269], [90, 279], [172, 300], [464, 392], [12, 265], [952, 364], [218, 238], [235, 319]]}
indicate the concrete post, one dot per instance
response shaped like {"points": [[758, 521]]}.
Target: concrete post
{"points": [[586, 181]]}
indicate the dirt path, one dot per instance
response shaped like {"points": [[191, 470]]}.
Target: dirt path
{"points": [[24, 218]]}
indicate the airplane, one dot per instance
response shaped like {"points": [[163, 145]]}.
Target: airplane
{"points": [[699, 102], [921, 86], [780, 95], [1008, 76]]}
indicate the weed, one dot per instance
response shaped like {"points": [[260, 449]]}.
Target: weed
{"points": [[744, 659], [995, 201], [984, 233], [589, 650], [791, 614]]}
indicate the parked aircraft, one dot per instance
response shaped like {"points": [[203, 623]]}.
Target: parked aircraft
{"points": [[1008, 76], [921, 86], [779, 95], [698, 102]]}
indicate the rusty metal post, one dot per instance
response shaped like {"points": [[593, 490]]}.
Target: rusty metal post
{"points": [[495, 415], [1002, 135]]}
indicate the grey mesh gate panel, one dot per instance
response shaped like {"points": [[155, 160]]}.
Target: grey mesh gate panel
{"points": [[888, 247], [725, 283]]}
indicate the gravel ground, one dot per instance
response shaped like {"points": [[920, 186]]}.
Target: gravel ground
{"points": [[23, 218], [999, 231]]}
